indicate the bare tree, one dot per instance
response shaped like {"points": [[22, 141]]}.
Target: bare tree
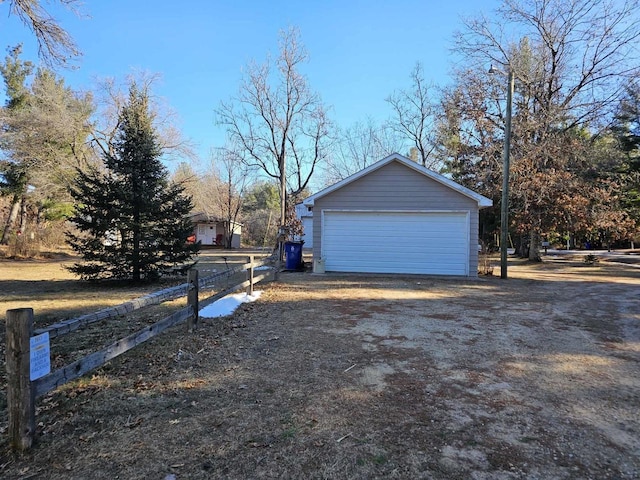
{"points": [[358, 147], [580, 54], [233, 179], [111, 95], [55, 45], [414, 117], [201, 187], [278, 123]]}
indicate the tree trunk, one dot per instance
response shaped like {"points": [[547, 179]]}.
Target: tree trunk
{"points": [[283, 214], [283, 201], [522, 247], [135, 253], [23, 214], [534, 247], [228, 235], [11, 220]]}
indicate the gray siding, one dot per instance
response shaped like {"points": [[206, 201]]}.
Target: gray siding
{"points": [[397, 187]]}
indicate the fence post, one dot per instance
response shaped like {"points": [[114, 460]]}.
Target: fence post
{"points": [[20, 392], [192, 298], [250, 276]]}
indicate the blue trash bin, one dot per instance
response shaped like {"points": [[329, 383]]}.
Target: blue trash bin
{"points": [[293, 252]]}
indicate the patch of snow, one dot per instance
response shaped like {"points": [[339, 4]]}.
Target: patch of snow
{"points": [[227, 305]]}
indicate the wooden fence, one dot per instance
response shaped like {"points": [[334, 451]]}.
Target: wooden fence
{"points": [[22, 391]]}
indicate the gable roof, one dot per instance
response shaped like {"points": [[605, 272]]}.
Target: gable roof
{"points": [[396, 157], [303, 211], [202, 217]]}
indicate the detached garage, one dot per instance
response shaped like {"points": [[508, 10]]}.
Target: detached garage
{"points": [[396, 216]]}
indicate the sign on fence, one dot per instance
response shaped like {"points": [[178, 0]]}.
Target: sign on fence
{"points": [[39, 356]]}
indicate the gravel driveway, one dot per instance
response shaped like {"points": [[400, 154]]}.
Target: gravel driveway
{"points": [[533, 377]]}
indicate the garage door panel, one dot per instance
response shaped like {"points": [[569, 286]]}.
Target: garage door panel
{"points": [[404, 242], [392, 267], [443, 252]]}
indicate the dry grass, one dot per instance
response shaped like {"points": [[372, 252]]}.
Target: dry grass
{"points": [[367, 377], [45, 285]]}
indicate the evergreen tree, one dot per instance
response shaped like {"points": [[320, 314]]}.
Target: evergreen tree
{"points": [[13, 173], [132, 220], [626, 127], [627, 123], [44, 126]]}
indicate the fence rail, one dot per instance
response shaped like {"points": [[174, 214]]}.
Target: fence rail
{"points": [[97, 359], [155, 298], [22, 391]]}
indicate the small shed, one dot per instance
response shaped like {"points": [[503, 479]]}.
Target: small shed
{"points": [[397, 216], [210, 230]]}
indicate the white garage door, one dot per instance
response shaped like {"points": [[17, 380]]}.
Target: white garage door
{"points": [[434, 243]]}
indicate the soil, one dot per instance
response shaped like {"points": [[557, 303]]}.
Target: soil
{"points": [[347, 376]]}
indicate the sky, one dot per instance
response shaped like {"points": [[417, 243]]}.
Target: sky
{"points": [[360, 51]]}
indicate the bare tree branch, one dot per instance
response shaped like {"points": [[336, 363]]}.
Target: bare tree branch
{"points": [[414, 117], [359, 146], [111, 95], [55, 45]]}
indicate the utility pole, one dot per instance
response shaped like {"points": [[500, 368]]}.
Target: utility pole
{"points": [[504, 210], [504, 207]]}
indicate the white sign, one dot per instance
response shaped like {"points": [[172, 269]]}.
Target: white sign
{"points": [[40, 356]]}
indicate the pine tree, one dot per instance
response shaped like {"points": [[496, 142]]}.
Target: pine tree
{"points": [[14, 178], [43, 138], [626, 128], [626, 125], [132, 220]]}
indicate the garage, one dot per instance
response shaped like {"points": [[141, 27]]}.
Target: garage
{"points": [[433, 243], [396, 216]]}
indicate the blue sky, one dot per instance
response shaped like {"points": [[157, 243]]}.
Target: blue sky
{"points": [[360, 51]]}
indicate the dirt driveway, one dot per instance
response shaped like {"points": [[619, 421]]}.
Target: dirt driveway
{"points": [[331, 376]]}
